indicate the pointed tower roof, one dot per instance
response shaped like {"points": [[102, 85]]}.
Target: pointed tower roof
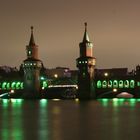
{"points": [[32, 42], [86, 37]]}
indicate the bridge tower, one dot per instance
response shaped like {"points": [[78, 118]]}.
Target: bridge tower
{"points": [[31, 67], [86, 66]]}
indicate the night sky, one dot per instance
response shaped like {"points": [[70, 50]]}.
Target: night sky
{"points": [[113, 27]]}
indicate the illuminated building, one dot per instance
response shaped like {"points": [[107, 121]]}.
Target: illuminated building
{"points": [[86, 66], [32, 67]]}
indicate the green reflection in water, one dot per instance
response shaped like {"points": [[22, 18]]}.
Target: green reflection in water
{"points": [[104, 101], [132, 102], [11, 124], [43, 102], [115, 102], [119, 102], [43, 120], [16, 102]]}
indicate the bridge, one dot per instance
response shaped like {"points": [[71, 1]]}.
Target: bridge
{"points": [[18, 85], [102, 86]]}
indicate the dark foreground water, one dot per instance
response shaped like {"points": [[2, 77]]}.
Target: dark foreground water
{"points": [[116, 119]]}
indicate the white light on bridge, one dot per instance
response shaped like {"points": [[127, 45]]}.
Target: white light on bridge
{"points": [[115, 90], [105, 74]]}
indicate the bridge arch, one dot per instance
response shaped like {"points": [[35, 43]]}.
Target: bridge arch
{"points": [[104, 84], [121, 84], [115, 84], [132, 84], [99, 84], [110, 84], [126, 84]]}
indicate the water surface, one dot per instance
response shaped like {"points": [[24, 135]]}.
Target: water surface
{"points": [[104, 119]]}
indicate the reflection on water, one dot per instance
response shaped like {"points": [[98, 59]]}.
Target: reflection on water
{"points": [[43, 119]]}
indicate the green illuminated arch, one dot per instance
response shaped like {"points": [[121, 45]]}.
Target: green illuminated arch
{"points": [[17, 85], [45, 85], [121, 83], [104, 84], [110, 84], [126, 84], [13, 85], [132, 84], [115, 84], [21, 85], [8, 85], [4, 85], [99, 84]]}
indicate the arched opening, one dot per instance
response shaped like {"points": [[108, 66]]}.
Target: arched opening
{"points": [[132, 84], [13, 85], [99, 84], [18, 85], [109, 84], [121, 84], [4, 85], [104, 84], [126, 84], [115, 84], [8, 86]]}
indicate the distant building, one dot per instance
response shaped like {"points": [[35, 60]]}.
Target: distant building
{"points": [[113, 72], [58, 72]]}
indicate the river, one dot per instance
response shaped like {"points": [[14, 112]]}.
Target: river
{"points": [[103, 119]]}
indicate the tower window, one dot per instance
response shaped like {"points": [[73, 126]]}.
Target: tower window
{"points": [[29, 52]]}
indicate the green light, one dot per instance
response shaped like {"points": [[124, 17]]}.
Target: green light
{"points": [[121, 84], [132, 83], [110, 84], [18, 85], [8, 86], [4, 85], [104, 84], [104, 101], [43, 102], [126, 84], [5, 101], [99, 84], [115, 84], [13, 85], [21, 85], [45, 85], [42, 78], [115, 102], [132, 102]]}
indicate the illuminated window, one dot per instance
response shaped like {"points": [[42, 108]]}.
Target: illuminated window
{"points": [[29, 52], [121, 84], [104, 84], [4, 85], [115, 84], [138, 84], [8, 86], [126, 84], [99, 84], [132, 83], [13, 85], [109, 84]]}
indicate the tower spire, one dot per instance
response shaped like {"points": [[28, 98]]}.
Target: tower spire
{"points": [[32, 42], [86, 37]]}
